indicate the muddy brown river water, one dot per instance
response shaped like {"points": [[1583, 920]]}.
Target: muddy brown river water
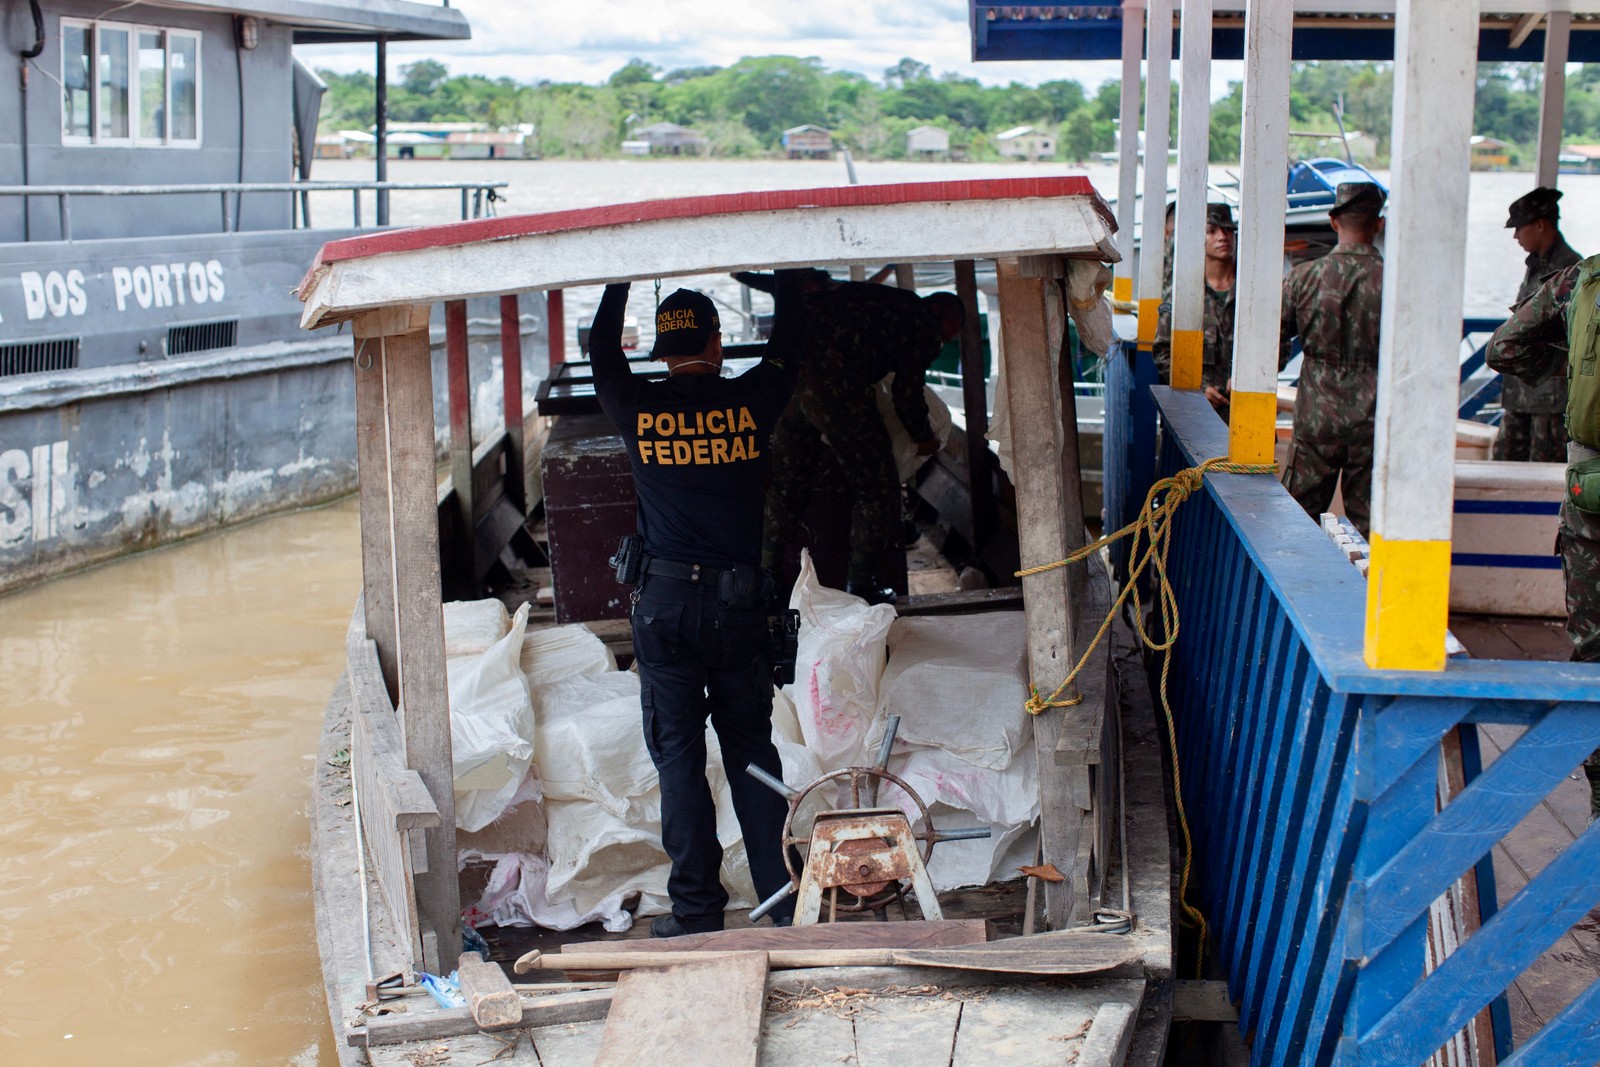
{"points": [[159, 716]]}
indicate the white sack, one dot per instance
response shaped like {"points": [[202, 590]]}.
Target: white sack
{"points": [[960, 794], [556, 653], [515, 896], [472, 626], [958, 683], [491, 727], [906, 460], [837, 668]]}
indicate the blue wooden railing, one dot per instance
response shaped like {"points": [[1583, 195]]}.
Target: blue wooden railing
{"points": [[1311, 782]]}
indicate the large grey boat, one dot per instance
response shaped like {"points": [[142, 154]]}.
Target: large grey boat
{"points": [[154, 219]]}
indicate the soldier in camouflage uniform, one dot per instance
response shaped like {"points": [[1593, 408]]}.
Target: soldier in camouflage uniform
{"points": [[859, 334], [1533, 427], [1332, 304], [1532, 345], [1217, 316]]}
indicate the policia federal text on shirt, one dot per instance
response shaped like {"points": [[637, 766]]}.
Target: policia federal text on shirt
{"points": [[697, 444]]}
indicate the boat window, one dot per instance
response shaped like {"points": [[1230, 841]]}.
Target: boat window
{"points": [[77, 66], [152, 86], [113, 102], [129, 85]]}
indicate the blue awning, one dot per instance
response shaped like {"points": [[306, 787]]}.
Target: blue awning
{"points": [[1064, 29]]}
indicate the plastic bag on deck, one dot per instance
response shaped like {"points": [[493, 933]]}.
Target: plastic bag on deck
{"points": [[1087, 281], [556, 653], [906, 460], [491, 727], [837, 668]]}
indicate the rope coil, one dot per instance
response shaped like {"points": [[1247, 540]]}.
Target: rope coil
{"points": [[1152, 530]]}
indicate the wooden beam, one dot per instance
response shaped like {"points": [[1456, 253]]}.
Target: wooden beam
{"points": [[1258, 301], [905, 276], [1553, 99], [424, 702], [1128, 146], [1031, 392], [1194, 160], [377, 542], [382, 322], [975, 407], [487, 991], [705, 1010], [511, 391], [1413, 483], [1525, 27], [557, 1010], [1157, 136]]}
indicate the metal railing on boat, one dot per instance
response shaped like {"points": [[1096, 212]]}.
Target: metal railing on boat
{"points": [[476, 196], [1323, 840]]}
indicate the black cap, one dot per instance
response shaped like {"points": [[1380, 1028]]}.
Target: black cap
{"points": [[685, 323], [1366, 196], [1539, 204], [1220, 215]]}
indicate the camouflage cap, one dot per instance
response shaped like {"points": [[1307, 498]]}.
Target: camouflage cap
{"points": [[1530, 207], [1220, 215], [1367, 196]]}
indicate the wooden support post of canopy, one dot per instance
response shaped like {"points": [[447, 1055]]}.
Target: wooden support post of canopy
{"points": [[1189, 238], [975, 405], [1032, 319], [400, 564], [555, 324], [1558, 29], [511, 392], [1157, 135], [458, 379], [1413, 484], [1253, 413], [1128, 146]]}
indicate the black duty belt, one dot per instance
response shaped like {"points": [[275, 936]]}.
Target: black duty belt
{"points": [[688, 572]]}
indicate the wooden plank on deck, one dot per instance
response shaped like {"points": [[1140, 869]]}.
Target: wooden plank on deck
{"points": [[706, 1012]]}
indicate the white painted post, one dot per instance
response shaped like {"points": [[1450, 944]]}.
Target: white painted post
{"points": [[1263, 198], [1128, 146], [1558, 28], [1157, 136], [1194, 151], [1408, 583]]}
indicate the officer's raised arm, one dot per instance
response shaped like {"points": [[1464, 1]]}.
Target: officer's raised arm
{"points": [[610, 364]]}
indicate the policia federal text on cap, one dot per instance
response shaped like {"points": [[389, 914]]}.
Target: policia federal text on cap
{"points": [[697, 443]]}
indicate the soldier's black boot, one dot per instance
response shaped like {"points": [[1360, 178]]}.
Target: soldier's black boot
{"points": [[1592, 769], [669, 926]]}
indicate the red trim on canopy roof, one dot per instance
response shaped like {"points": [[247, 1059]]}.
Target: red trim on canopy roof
{"points": [[510, 226]]}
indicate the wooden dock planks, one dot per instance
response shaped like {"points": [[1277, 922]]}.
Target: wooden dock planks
{"points": [[706, 1011]]}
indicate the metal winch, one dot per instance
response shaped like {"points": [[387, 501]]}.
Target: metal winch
{"points": [[863, 857]]}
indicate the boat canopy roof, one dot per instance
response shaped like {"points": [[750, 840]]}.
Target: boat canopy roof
{"points": [[333, 21], [1324, 29], [846, 225]]}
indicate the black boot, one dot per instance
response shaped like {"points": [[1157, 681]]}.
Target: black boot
{"points": [[669, 926]]}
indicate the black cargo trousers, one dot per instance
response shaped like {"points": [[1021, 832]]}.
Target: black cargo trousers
{"points": [[700, 657]]}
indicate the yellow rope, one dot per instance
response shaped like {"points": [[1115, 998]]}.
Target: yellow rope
{"points": [[1154, 528]]}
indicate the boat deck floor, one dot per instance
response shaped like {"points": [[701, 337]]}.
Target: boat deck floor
{"points": [[1573, 962]]}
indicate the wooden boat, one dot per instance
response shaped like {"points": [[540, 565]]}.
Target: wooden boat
{"points": [[388, 893]]}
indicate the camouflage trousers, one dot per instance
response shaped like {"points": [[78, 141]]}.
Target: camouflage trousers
{"points": [[1313, 470], [1537, 438], [859, 441], [1580, 566]]}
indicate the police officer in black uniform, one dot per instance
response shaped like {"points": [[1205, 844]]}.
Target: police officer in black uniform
{"points": [[698, 446]]}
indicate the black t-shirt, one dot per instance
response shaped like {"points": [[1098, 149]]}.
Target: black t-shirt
{"points": [[698, 442]]}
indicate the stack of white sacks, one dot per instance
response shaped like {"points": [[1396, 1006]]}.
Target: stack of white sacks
{"points": [[549, 753]]}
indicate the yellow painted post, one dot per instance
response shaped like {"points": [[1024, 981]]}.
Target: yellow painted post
{"points": [[1128, 146], [1194, 150], [1253, 413], [1413, 483], [1157, 137]]}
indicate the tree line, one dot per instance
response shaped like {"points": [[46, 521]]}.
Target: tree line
{"points": [[744, 108]]}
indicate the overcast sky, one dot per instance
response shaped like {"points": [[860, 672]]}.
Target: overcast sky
{"points": [[587, 42]]}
